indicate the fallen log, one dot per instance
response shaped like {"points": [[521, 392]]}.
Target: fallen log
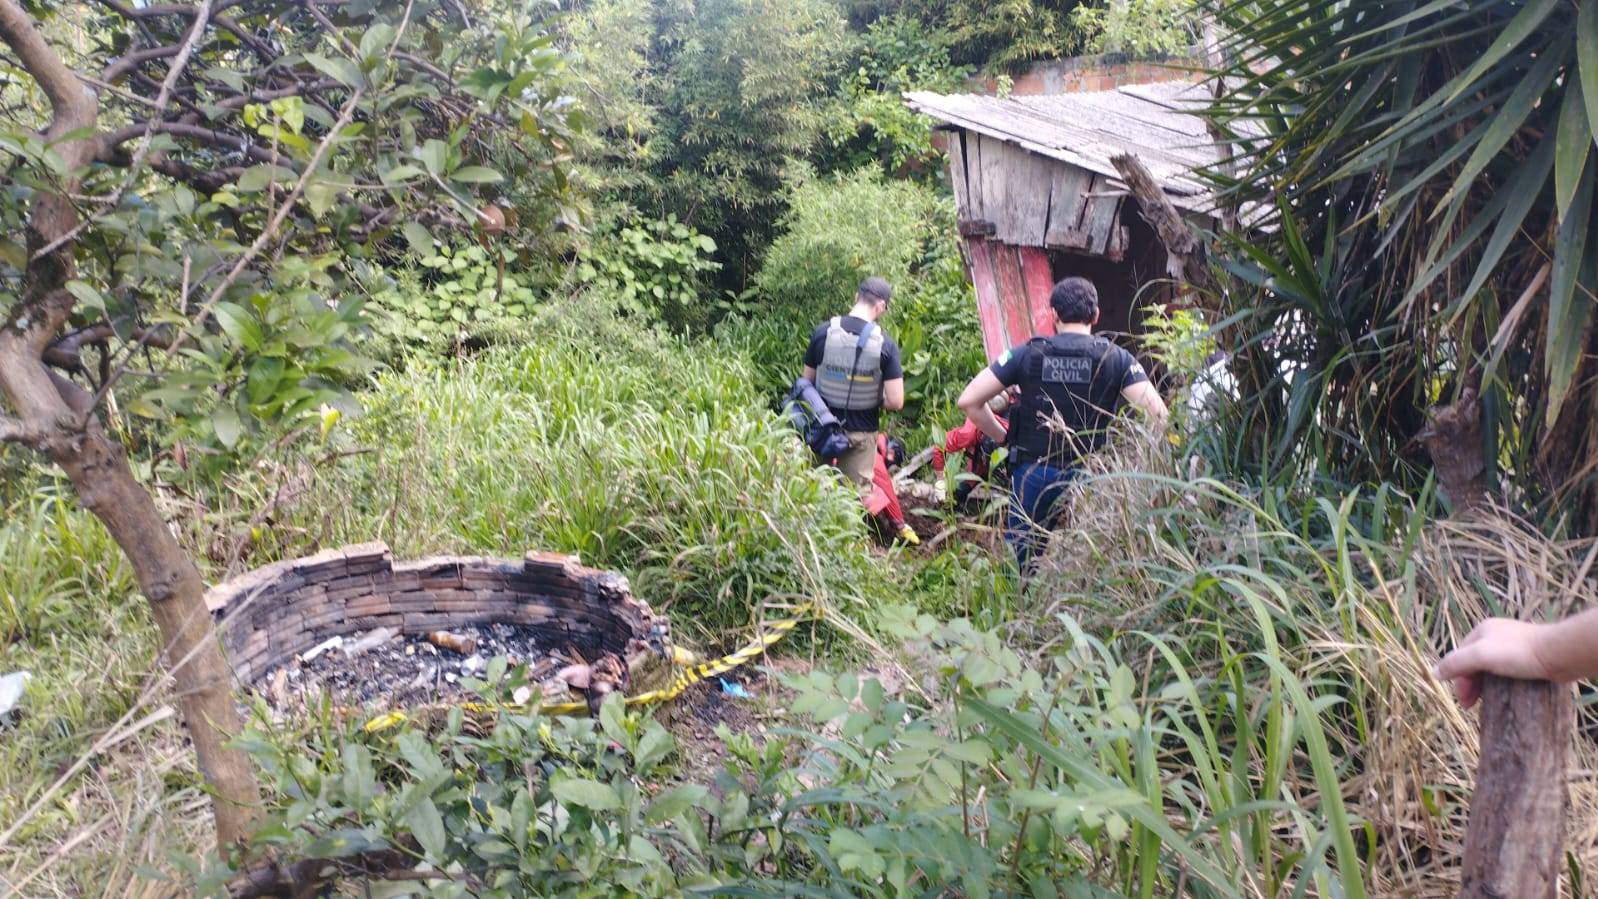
{"points": [[912, 465], [1184, 251], [312, 877]]}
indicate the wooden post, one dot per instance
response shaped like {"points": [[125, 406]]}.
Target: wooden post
{"points": [[1515, 841]]}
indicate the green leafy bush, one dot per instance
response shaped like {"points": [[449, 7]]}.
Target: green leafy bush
{"points": [[741, 91], [940, 336], [274, 362], [873, 125], [1137, 27], [840, 230], [1000, 774], [1200, 691], [656, 269], [1001, 34], [456, 295]]}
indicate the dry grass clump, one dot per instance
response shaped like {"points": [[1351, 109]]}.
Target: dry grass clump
{"points": [[1362, 594], [117, 829]]}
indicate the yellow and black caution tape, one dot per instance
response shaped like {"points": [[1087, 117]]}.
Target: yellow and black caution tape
{"points": [[685, 678]]}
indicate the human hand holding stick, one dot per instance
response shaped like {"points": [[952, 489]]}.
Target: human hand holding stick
{"points": [[1560, 652]]}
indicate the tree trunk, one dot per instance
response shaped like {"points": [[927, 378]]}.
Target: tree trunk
{"points": [[98, 469], [1515, 840], [1453, 438], [56, 418]]}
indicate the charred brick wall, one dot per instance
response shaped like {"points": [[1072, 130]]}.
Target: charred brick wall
{"points": [[269, 615]]}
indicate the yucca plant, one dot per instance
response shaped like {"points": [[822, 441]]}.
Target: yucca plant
{"points": [[1421, 176]]}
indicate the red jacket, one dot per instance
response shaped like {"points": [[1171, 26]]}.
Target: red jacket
{"points": [[961, 440]]}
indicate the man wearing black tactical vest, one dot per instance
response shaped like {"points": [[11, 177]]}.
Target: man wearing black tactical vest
{"points": [[856, 368], [1071, 386]]}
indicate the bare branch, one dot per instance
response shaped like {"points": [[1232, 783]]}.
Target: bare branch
{"points": [[76, 398], [162, 10], [138, 58], [74, 107], [301, 90], [207, 180], [197, 132], [66, 353], [15, 431], [202, 15]]}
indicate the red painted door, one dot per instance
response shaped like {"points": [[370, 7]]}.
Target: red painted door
{"points": [[1012, 292]]}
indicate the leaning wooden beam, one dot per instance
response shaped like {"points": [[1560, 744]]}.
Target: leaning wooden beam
{"points": [[1183, 249], [1515, 841]]}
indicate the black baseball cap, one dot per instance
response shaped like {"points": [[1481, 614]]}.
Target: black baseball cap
{"points": [[876, 287]]}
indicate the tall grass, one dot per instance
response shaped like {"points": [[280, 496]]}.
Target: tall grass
{"points": [[1284, 643], [1231, 681], [71, 616], [634, 451]]}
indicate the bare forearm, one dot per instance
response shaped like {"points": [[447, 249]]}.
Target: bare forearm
{"points": [[1569, 649], [987, 422]]}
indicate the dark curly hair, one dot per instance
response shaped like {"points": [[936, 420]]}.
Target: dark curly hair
{"points": [[1075, 301]]}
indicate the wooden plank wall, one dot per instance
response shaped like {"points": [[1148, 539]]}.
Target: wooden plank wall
{"points": [[1038, 276], [1012, 286], [1013, 207], [1027, 200], [990, 309]]}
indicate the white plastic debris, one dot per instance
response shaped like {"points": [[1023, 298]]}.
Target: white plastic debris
{"points": [[423, 677], [324, 646], [372, 640], [11, 687]]}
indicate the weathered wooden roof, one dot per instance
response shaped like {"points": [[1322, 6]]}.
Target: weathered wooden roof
{"points": [[1156, 122]]}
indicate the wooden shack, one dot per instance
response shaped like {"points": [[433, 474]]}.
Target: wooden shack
{"points": [[1039, 200]]}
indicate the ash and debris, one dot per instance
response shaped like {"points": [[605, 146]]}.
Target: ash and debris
{"points": [[384, 669]]}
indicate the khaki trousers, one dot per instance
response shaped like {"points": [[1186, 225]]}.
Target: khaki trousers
{"points": [[857, 464]]}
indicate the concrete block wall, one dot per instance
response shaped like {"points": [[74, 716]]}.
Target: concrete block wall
{"points": [[269, 615], [1095, 73]]}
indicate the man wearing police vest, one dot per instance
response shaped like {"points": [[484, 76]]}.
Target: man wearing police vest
{"points": [[1072, 378], [857, 369]]}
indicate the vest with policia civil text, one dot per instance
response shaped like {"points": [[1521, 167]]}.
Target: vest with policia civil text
{"points": [[850, 376], [1075, 377]]}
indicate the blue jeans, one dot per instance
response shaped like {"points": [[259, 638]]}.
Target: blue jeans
{"points": [[1036, 489]]}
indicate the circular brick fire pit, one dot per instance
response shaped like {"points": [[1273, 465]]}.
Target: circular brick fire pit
{"points": [[272, 614]]}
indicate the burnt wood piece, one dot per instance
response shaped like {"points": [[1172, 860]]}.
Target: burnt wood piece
{"points": [[977, 228], [1515, 841]]}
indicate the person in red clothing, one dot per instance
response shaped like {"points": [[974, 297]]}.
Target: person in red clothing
{"points": [[883, 501], [977, 446]]}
